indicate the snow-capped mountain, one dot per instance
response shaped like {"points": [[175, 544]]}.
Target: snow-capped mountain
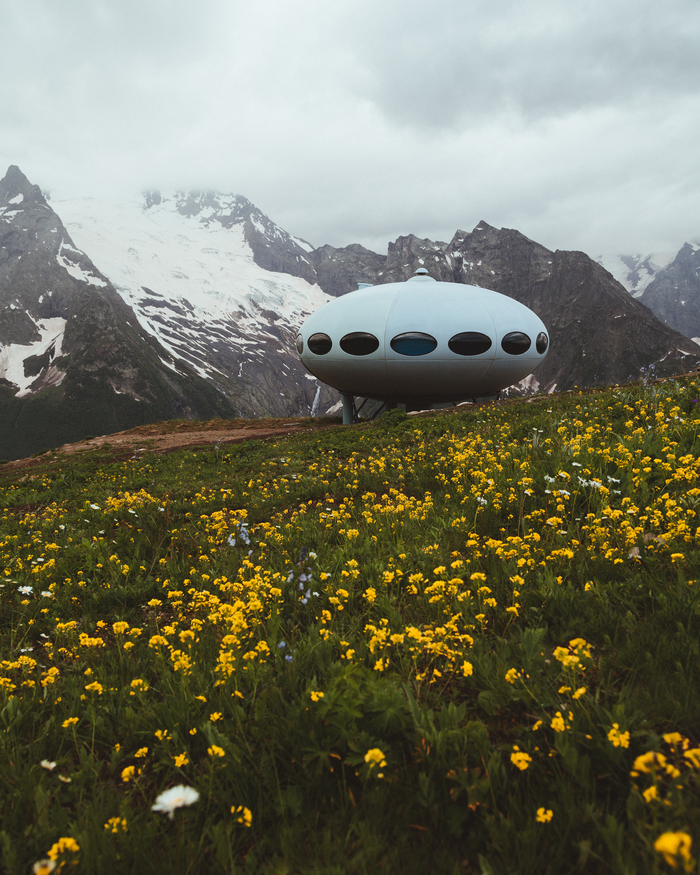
{"points": [[674, 294], [599, 333], [187, 304], [203, 273], [668, 283], [635, 272]]}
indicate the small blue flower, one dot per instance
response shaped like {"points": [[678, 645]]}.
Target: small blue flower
{"points": [[289, 658], [281, 645]]}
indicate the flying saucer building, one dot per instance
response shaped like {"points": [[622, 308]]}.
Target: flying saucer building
{"points": [[421, 342]]}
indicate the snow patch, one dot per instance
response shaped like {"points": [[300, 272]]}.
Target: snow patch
{"points": [[205, 279], [528, 384], [302, 244], [635, 272], [17, 199], [75, 270], [13, 355]]}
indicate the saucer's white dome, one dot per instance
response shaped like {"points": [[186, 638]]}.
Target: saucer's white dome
{"points": [[422, 341]]}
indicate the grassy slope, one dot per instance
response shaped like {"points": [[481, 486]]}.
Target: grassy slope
{"points": [[499, 607]]}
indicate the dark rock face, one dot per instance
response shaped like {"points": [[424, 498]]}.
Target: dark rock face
{"points": [[88, 366], [599, 334], [76, 360], [674, 293], [338, 271]]}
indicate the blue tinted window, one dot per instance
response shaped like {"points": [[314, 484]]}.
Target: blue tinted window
{"points": [[413, 343]]}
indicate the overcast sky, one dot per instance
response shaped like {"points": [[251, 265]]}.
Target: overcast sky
{"points": [[575, 121]]}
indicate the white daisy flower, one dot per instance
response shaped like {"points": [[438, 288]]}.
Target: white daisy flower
{"points": [[176, 797]]}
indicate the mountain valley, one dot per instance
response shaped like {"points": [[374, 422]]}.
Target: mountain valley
{"points": [[116, 314]]}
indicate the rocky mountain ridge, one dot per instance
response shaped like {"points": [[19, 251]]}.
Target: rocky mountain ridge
{"points": [[673, 295], [599, 333], [73, 357], [187, 263], [187, 304], [668, 283]]}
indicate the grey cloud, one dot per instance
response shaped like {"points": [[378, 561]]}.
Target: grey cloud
{"points": [[358, 121], [539, 59]]}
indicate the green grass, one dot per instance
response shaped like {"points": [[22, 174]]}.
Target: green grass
{"points": [[384, 647]]}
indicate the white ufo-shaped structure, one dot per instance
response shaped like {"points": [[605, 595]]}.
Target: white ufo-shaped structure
{"points": [[422, 342]]}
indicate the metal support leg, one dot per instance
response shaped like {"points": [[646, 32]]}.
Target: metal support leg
{"points": [[348, 409]]}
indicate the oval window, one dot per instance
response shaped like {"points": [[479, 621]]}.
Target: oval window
{"points": [[515, 343], [319, 344], [413, 343], [470, 343], [359, 343], [300, 344], [541, 343]]}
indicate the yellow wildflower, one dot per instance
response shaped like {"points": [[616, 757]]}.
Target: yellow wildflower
{"points": [[375, 757], [114, 824], [558, 724], [650, 793], [63, 844], [520, 759], [243, 815], [673, 845], [619, 739]]}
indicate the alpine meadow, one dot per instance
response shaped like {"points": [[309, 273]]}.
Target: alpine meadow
{"points": [[461, 642]]}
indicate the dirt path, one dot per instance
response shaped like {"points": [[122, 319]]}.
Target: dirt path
{"points": [[166, 437]]}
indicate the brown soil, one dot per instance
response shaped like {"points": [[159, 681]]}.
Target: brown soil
{"points": [[164, 437]]}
